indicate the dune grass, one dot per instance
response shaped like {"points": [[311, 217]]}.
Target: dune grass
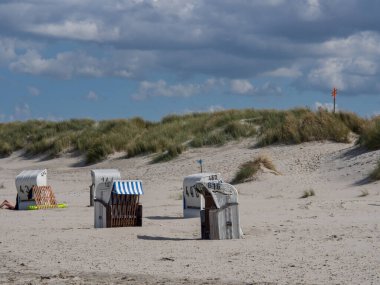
{"points": [[370, 136], [363, 193], [169, 137], [370, 139], [302, 125], [248, 169], [308, 193], [375, 174], [169, 154]]}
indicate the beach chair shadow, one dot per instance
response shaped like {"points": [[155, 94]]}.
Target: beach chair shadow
{"points": [[145, 237], [163, 218]]}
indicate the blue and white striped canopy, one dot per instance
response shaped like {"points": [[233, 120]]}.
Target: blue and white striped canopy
{"points": [[128, 187]]}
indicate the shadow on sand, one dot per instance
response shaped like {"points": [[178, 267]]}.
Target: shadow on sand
{"points": [[363, 181], [353, 152], [145, 237], [163, 218], [81, 163]]}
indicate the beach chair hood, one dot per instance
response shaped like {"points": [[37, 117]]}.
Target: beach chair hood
{"points": [[27, 179], [127, 187]]}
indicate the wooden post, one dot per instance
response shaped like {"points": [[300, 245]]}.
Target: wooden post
{"points": [[334, 103], [92, 189], [333, 94], [200, 163]]}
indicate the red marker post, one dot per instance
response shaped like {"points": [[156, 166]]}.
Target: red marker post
{"points": [[333, 94]]}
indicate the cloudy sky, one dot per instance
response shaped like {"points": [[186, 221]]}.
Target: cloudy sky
{"points": [[120, 59]]}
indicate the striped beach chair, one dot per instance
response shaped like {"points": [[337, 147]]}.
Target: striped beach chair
{"points": [[121, 207]]}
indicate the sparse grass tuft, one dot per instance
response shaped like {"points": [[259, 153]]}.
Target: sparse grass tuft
{"points": [[5, 149], [363, 193], [355, 123], [98, 152], [307, 193], [210, 139], [177, 196], [171, 153], [249, 169], [375, 174], [370, 136]]}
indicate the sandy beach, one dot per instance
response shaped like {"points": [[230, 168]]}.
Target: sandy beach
{"points": [[330, 238]]}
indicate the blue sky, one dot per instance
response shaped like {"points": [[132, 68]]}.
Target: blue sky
{"points": [[149, 58]]}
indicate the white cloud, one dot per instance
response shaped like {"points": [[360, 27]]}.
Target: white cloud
{"points": [[344, 73], [31, 62], [77, 30], [10, 48], [244, 87], [309, 10], [162, 89], [7, 49], [215, 108], [325, 106], [229, 39], [349, 63], [358, 44], [51, 118], [92, 96], [241, 86], [21, 112], [210, 109], [34, 91], [123, 73], [66, 65], [269, 88], [178, 8], [283, 72]]}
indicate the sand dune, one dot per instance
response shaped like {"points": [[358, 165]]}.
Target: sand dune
{"points": [[330, 238]]}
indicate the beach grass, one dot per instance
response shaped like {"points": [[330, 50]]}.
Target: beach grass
{"points": [[375, 174], [301, 125], [363, 193], [169, 137], [169, 154], [248, 169], [370, 136], [308, 193]]}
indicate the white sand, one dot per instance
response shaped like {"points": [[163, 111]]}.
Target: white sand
{"points": [[331, 238]]}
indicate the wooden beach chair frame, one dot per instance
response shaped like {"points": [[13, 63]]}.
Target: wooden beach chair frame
{"points": [[124, 211]]}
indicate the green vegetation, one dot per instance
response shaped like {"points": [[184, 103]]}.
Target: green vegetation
{"points": [[307, 193], [248, 169], [363, 193], [302, 125], [370, 136], [370, 139], [353, 121], [375, 174], [169, 154], [173, 134]]}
